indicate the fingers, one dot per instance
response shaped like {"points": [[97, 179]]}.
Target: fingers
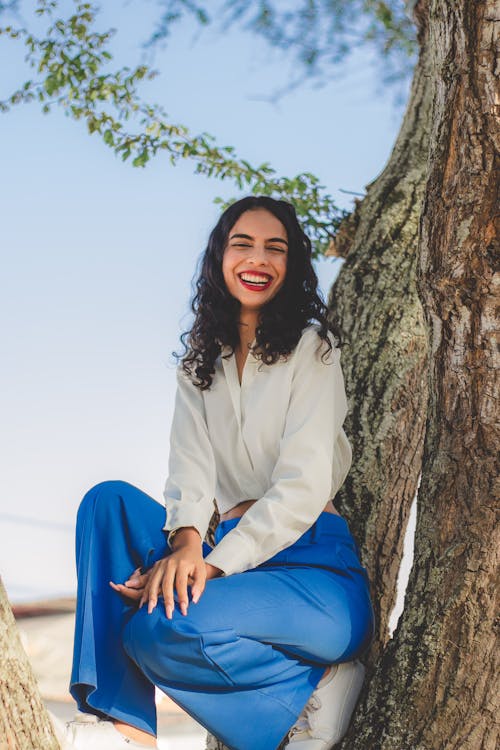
{"points": [[137, 578], [181, 581], [137, 582], [130, 593], [199, 582], [166, 574], [168, 590], [152, 587], [133, 587]]}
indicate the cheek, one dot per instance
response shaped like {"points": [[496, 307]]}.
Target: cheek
{"points": [[225, 266], [283, 268], [228, 261], [228, 272]]}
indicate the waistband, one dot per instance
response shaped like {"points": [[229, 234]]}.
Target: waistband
{"points": [[326, 522]]}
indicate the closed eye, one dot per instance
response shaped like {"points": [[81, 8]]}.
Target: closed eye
{"points": [[279, 249]]}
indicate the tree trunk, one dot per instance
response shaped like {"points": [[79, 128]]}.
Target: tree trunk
{"points": [[384, 360], [377, 307], [435, 685], [24, 722], [376, 303]]}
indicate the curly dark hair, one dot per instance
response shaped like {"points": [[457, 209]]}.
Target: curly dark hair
{"points": [[281, 320]]}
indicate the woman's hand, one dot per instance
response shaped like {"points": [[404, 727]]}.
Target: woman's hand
{"points": [[133, 588], [183, 566]]}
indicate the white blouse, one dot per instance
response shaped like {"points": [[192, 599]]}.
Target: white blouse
{"points": [[278, 438]]}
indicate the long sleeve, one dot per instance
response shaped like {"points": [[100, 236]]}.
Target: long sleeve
{"points": [[313, 444], [190, 485]]}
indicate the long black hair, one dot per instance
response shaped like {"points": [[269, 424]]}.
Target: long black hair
{"points": [[281, 320]]}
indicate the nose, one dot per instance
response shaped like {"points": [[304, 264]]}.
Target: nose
{"points": [[257, 254]]}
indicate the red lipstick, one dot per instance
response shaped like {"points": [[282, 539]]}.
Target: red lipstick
{"points": [[255, 287]]}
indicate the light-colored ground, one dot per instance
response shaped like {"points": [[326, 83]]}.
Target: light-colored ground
{"points": [[48, 641]]}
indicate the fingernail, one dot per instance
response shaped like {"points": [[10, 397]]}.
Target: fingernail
{"points": [[169, 613], [195, 599], [183, 609]]}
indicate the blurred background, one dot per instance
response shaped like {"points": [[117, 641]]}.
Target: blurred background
{"points": [[97, 263]]}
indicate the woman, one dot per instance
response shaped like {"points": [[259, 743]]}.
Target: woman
{"points": [[257, 638]]}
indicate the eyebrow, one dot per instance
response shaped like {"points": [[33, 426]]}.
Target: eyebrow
{"points": [[248, 237]]}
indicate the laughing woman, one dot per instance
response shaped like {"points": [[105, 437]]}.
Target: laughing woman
{"points": [[257, 637]]}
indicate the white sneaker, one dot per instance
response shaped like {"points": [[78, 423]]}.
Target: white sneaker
{"points": [[327, 714], [89, 732]]}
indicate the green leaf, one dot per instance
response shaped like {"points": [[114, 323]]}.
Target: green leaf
{"points": [[50, 84], [140, 161]]}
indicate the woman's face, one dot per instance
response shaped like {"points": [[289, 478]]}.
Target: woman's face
{"points": [[257, 250]]}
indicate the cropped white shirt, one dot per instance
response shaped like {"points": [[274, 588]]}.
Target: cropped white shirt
{"points": [[278, 438]]}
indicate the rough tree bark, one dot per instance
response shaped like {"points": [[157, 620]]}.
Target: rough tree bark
{"points": [[376, 303], [434, 687], [24, 722]]}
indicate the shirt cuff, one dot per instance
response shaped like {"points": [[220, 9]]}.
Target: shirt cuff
{"points": [[229, 555]]}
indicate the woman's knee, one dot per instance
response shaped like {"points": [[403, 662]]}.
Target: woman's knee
{"points": [[145, 636], [143, 631], [177, 650], [106, 495]]}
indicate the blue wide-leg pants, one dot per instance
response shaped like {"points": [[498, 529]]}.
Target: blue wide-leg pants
{"points": [[245, 659]]}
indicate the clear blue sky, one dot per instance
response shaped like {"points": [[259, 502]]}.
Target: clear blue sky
{"points": [[98, 258]]}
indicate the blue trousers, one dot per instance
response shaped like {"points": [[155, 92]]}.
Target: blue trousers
{"points": [[245, 659]]}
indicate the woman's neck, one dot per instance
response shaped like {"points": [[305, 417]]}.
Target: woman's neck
{"points": [[247, 326]]}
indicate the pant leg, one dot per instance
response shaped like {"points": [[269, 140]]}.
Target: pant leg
{"points": [[243, 662], [118, 529], [246, 658]]}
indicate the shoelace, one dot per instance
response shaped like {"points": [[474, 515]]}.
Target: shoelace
{"points": [[302, 725]]}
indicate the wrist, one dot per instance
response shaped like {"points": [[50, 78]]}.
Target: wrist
{"points": [[213, 571], [182, 536]]}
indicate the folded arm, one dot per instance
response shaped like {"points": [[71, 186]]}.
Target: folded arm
{"points": [[312, 448]]}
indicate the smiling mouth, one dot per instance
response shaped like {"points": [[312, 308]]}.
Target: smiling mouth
{"points": [[256, 286]]}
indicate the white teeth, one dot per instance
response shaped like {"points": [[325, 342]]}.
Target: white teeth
{"points": [[253, 279]]}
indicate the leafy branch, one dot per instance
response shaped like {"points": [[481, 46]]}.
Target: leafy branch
{"points": [[320, 34], [73, 60]]}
